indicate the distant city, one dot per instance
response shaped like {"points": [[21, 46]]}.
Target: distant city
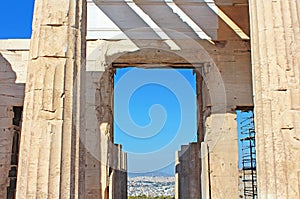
{"points": [[151, 186]]}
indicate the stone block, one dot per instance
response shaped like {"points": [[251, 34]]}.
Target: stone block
{"points": [[11, 100], [295, 99], [7, 77], [6, 112], [52, 42], [12, 90], [5, 122], [5, 67], [14, 44]]}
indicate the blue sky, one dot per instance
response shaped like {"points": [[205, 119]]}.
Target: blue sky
{"points": [[16, 18], [244, 122], [155, 113]]}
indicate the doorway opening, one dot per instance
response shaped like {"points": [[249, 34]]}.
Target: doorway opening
{"points": [[155, 112]]}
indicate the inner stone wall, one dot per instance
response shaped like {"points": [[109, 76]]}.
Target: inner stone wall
{"points": [[13, 57]]}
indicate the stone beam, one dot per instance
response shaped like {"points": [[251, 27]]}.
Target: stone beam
{"points": [[52, 149], [275, 40]]}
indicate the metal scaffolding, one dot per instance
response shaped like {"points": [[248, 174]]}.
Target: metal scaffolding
{"points": [[249, 156]]}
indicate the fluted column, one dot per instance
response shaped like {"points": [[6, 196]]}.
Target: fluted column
{"points": [[275, 40], [52, 144]]}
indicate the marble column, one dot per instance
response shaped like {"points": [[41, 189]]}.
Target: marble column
{"points": [[275, 40], [52, 151]]}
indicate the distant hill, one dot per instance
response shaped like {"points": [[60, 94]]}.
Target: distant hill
{"points": [[168, 171], [152, 174]]}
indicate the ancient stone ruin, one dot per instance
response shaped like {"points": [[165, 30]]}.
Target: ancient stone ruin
{"points": [[56, 95]]}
